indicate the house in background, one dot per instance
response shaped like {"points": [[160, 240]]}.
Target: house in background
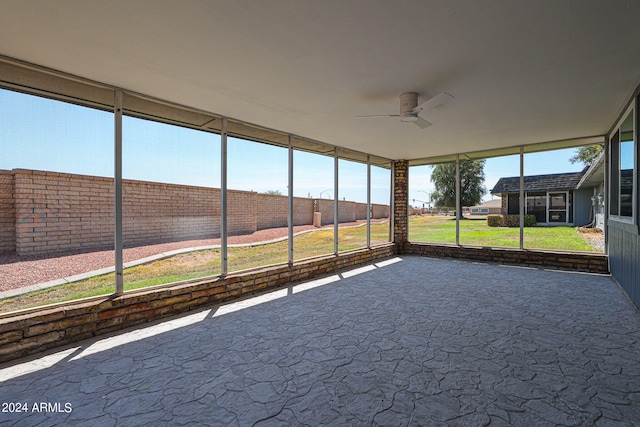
{"points": [[490, 207], [573, 198]]}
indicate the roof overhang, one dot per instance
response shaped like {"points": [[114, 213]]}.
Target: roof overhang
{"points": [[551, 73], [594, 176]]}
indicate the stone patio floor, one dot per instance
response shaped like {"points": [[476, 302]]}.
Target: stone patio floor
{"points": [[408, 341]]}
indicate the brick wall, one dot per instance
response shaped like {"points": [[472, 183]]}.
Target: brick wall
{"points": [[241, 212], [47, 212], [379, 211], [347, 211], [574, 261], [325, 207], [360, 211], [302, 211], [158, 212], [7, 213], [272, 211], [31, 332], [56, 212]]}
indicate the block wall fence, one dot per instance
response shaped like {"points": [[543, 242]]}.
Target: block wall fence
{"points": [[47, 212]]}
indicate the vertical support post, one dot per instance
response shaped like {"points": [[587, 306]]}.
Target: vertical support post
{"points": [[458, 211], [522, 197], [223, 201], [607, 192], [118, 237], [368, 201], [336, 194], [290, 200]]}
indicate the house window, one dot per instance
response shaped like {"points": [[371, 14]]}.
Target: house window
{"points": [[614, 159], [626, 167], [484, 211], [622, 165]]}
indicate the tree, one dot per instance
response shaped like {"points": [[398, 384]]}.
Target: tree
{"points": [[472, 189], [587, 155], [273, 192]]}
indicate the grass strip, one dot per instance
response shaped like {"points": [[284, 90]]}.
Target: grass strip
{"points": [[205, 263]]}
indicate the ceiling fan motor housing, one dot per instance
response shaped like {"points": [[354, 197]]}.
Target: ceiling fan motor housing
{"points": [[408, 101]]}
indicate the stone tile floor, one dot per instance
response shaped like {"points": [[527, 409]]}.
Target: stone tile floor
{"points": [[410, 341]]}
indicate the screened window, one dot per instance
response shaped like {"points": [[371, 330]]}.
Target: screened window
{"points": [[622, 165], [626, 167]]}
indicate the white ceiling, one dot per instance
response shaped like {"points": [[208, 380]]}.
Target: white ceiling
{"points": [[521, 71]]}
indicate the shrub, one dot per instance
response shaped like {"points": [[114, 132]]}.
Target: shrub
{"points": [[529, 220], [510, 220], [494, 220]]}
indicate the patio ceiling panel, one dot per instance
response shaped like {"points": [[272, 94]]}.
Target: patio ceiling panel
{"points": [[521, 72]]}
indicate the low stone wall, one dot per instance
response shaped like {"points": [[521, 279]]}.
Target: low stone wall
{"points": [[45, 328], [575, 261]]}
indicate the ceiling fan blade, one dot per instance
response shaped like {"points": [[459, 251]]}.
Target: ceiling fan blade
{"points": [[439, 99], [422, 123], [380, 115]]}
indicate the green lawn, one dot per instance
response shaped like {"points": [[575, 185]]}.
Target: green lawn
{"points": [[200, 264], [475, 232]]}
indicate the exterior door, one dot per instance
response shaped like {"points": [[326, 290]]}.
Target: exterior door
{"points": [[537, 206], [558, 204]]}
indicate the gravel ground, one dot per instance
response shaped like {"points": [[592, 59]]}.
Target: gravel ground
{"points": [[597, 242], [17, 271], [594, 236]]}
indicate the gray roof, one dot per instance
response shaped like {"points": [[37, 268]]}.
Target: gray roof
{"points": [[550, 182]]}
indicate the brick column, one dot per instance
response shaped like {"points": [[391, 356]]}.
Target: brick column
{"points": [[400, 204]]}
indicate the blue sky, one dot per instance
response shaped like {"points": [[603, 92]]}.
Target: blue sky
{"points": [[37, 133], [548, 162]]}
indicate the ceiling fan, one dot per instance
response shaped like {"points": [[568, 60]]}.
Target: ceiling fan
{"points": [[410, 110]]}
